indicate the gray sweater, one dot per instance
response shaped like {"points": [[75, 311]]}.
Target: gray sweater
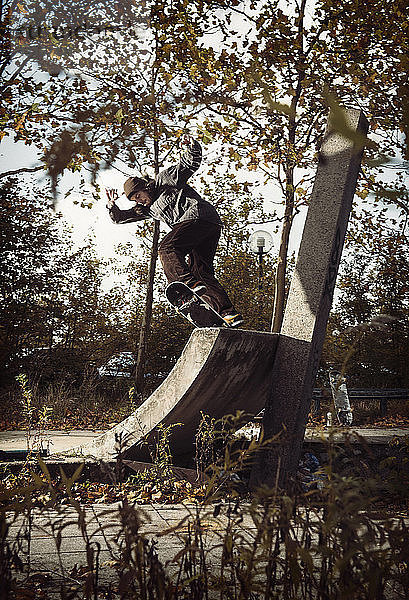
{"points": [[173, 200]]}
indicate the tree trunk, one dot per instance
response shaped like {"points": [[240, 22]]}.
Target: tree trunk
{"points": [[279, 296], [279, 292], [147, 314]]}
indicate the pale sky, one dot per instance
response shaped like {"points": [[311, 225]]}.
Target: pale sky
{"points": [[96, 221]]}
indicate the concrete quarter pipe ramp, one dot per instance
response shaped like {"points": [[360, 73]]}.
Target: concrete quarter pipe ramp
{"points": [[219, 372]]}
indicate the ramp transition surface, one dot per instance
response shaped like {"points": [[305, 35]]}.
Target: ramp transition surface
{"points": [[219, 372]]}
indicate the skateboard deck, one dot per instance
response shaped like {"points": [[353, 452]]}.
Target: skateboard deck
{"points": [[196, 309]]}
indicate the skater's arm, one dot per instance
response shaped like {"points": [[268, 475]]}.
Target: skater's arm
{"points": [[136, 213], [189, 163]]}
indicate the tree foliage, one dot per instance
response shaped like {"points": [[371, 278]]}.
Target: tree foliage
{"points": [[51, 296], [256, 79], [32, 269], [368, 331]]}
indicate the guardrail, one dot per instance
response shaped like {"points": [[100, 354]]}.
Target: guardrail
{"points": [[378, 395]]}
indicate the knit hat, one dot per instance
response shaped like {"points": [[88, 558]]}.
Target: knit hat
{"points": [[135, 184]]}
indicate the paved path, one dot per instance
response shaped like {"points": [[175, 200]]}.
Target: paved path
{"points": [[58, 441], [100, 531], [55, 542], [102, 526], [372, 435], [53, 440]]}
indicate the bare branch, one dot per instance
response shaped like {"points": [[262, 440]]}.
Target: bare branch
{"points": [[22, 170]]}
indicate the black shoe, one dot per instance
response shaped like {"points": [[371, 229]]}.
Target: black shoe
{"points": [[233, 319]]}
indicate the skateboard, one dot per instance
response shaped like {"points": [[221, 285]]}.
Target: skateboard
{"points": [[195, 309]]}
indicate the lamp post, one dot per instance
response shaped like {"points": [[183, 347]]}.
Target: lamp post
{"points": [[260, 243]]}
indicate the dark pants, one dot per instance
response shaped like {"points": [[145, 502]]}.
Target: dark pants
{"points": [[187, 255]]}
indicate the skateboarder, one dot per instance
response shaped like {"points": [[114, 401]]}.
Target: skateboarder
{"points": [[187, 252], [340, 396]]}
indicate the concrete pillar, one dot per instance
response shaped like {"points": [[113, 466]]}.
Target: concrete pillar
{"points": [[310, 298]]}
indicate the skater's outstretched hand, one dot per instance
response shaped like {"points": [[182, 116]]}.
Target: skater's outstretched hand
{"points": [[112, 196]]}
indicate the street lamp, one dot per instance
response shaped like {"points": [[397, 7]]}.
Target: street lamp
{"points": [[260, 243]]}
